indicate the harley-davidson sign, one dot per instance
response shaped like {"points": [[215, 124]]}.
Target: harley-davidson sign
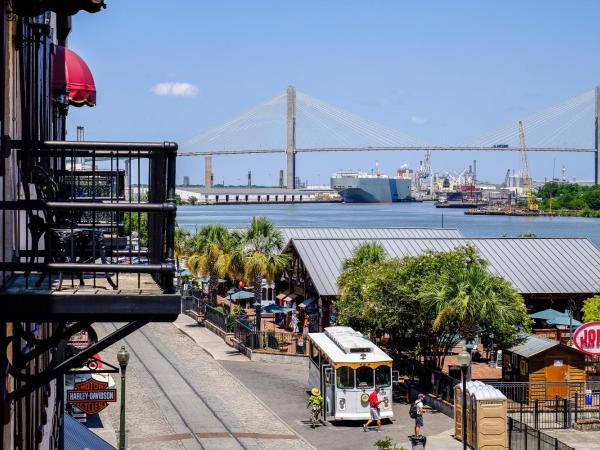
{"points": [[587, 338], [91, 396]]}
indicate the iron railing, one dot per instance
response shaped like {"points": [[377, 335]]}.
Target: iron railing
{"points": [[270, 341], [427, 379], [523, 437], [97, 208], [220, 318], [527, 392]]}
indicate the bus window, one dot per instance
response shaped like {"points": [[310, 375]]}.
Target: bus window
{"points": [[345, 377], [364, 377], [383, 376]]}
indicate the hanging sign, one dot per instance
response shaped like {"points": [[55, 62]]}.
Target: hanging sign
{"points": [[91, 396], [587, 338]]}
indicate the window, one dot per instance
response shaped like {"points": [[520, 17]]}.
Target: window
{"points": [[383, 376], [364, 377], [345, 377]]}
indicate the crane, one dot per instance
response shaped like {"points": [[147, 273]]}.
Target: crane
{"points": [[531, 200]]}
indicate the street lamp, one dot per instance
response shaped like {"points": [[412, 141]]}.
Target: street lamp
{"points": [[123, 359], [258, 309], [464, 360], [492, 361]]}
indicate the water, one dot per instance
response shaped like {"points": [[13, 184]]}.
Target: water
{"points": [[389, 215]]}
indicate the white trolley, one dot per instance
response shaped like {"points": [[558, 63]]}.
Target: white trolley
{"points": [[347, 367]]}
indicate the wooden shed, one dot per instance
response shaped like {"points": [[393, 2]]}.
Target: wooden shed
{"points": [[551, 368]]}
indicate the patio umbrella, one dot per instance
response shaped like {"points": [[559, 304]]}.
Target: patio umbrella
{"points": [[276, 309], [563, 321], [241, 295], [548, 314]]}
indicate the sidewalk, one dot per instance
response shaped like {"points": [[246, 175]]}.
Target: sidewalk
{"points": [[208, 341]]}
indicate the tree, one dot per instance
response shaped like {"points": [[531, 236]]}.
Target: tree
{"points": [[214, 252], [138, 222], [262, 244], [428, 302], [192, 200], [591, 309], [181, 242]]}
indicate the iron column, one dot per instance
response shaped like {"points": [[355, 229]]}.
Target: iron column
{"points": [[597, 138], [291, 137], [123, 359]]}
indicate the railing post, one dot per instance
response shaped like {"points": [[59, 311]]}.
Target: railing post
{"points": [[556, 402], [576, 406], [525, 434], [565, 412], [510, 428], [521, 412], [535, 413]]}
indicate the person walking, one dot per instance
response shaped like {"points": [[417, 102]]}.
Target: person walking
{"points": [[419, 410], [374, 410]]}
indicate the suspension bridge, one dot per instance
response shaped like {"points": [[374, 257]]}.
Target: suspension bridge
{"points": [[293, 123]]}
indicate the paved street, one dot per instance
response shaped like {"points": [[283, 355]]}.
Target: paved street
{"points": [[179, 397]]}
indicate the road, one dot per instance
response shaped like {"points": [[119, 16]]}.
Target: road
{"points": [[179, 397]]}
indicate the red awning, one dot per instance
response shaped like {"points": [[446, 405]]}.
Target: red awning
{"points": [[70, 74]]}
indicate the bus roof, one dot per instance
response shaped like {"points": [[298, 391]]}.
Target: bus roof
{"points": [[344, 345]]}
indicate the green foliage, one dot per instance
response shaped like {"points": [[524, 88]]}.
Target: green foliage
{"points": [[436, 297], [138, 222], [527, 234], [178, 199], [386, 442], [192, 200], [591, 309], [569, 196]]}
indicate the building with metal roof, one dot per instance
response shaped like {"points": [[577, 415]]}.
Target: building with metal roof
{"points": [[536, 267], [367, 233]]}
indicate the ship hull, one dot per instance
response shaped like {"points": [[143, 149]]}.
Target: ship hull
{"points": [[372, 190]]}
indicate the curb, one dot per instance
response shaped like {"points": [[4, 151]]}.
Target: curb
{"points": [[195, 341]]}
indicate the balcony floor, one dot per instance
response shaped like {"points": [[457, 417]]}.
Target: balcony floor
{"points": [[21, 300]]}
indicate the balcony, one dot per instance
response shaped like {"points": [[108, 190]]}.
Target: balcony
{"points": [[89, 232]]}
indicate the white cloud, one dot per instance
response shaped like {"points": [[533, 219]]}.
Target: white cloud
{"points": [[418, 120], [175, 89]]}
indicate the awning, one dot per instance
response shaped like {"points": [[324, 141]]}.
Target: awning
{"points": [[77, 436], [292, 297], [241, 295], [276, 309], [71, 75], [66, 7], [306, 302]]}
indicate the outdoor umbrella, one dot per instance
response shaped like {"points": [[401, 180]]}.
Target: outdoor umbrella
{"points": [[276, 309], [548, 314], [241, 295], [563, 321]]}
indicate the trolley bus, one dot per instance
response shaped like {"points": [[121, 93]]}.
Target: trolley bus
{"points": [[347, 367]]}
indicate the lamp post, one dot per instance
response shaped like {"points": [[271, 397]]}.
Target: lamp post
{"points": [[464, 360], [258, 309], [492, 361], [123, 359]]}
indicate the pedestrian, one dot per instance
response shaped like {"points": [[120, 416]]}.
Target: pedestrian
{"points": [[306, 327], [295, 322], [419, 410], [374, 410]]}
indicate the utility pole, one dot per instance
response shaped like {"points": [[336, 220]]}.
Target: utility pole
{"points": [[597, 138], [291, 137]]}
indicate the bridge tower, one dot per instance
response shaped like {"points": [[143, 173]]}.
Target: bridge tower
{"points": [[597, 138], [208, 175], [291, 137]]}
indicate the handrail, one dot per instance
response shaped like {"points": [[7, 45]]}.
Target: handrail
{"points": [[95, 145]]}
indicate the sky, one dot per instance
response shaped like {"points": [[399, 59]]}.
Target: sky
{"points": [[440, 71]]}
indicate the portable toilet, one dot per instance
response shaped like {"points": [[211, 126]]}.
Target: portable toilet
{"points": [[486, 416]]}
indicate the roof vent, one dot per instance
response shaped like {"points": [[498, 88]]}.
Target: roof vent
{"points": [[349, 340]]}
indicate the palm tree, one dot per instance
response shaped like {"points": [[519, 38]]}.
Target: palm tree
{"points": [[471, 295], [263, 244], [215, 252], [181, 242]]}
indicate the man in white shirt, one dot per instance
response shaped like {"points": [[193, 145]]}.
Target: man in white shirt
{"points": [[419, 418]]}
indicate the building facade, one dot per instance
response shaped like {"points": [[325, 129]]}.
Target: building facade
{"points": [[74, 251]]}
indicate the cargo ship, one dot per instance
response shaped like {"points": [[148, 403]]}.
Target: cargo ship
{"points": [[359, 187]]}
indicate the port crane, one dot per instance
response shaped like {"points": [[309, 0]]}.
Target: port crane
{"points": [[531, 200]]}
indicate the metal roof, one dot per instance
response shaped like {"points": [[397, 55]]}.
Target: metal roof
{"points": [[532, 344], [338, 356], [367, 233], [531, 265], [78, 436]]}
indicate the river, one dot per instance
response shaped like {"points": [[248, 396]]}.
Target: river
{"points": [[388, 215]]}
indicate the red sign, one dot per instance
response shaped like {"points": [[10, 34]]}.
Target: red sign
{"points": [[587, 338], [91, 396]]}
